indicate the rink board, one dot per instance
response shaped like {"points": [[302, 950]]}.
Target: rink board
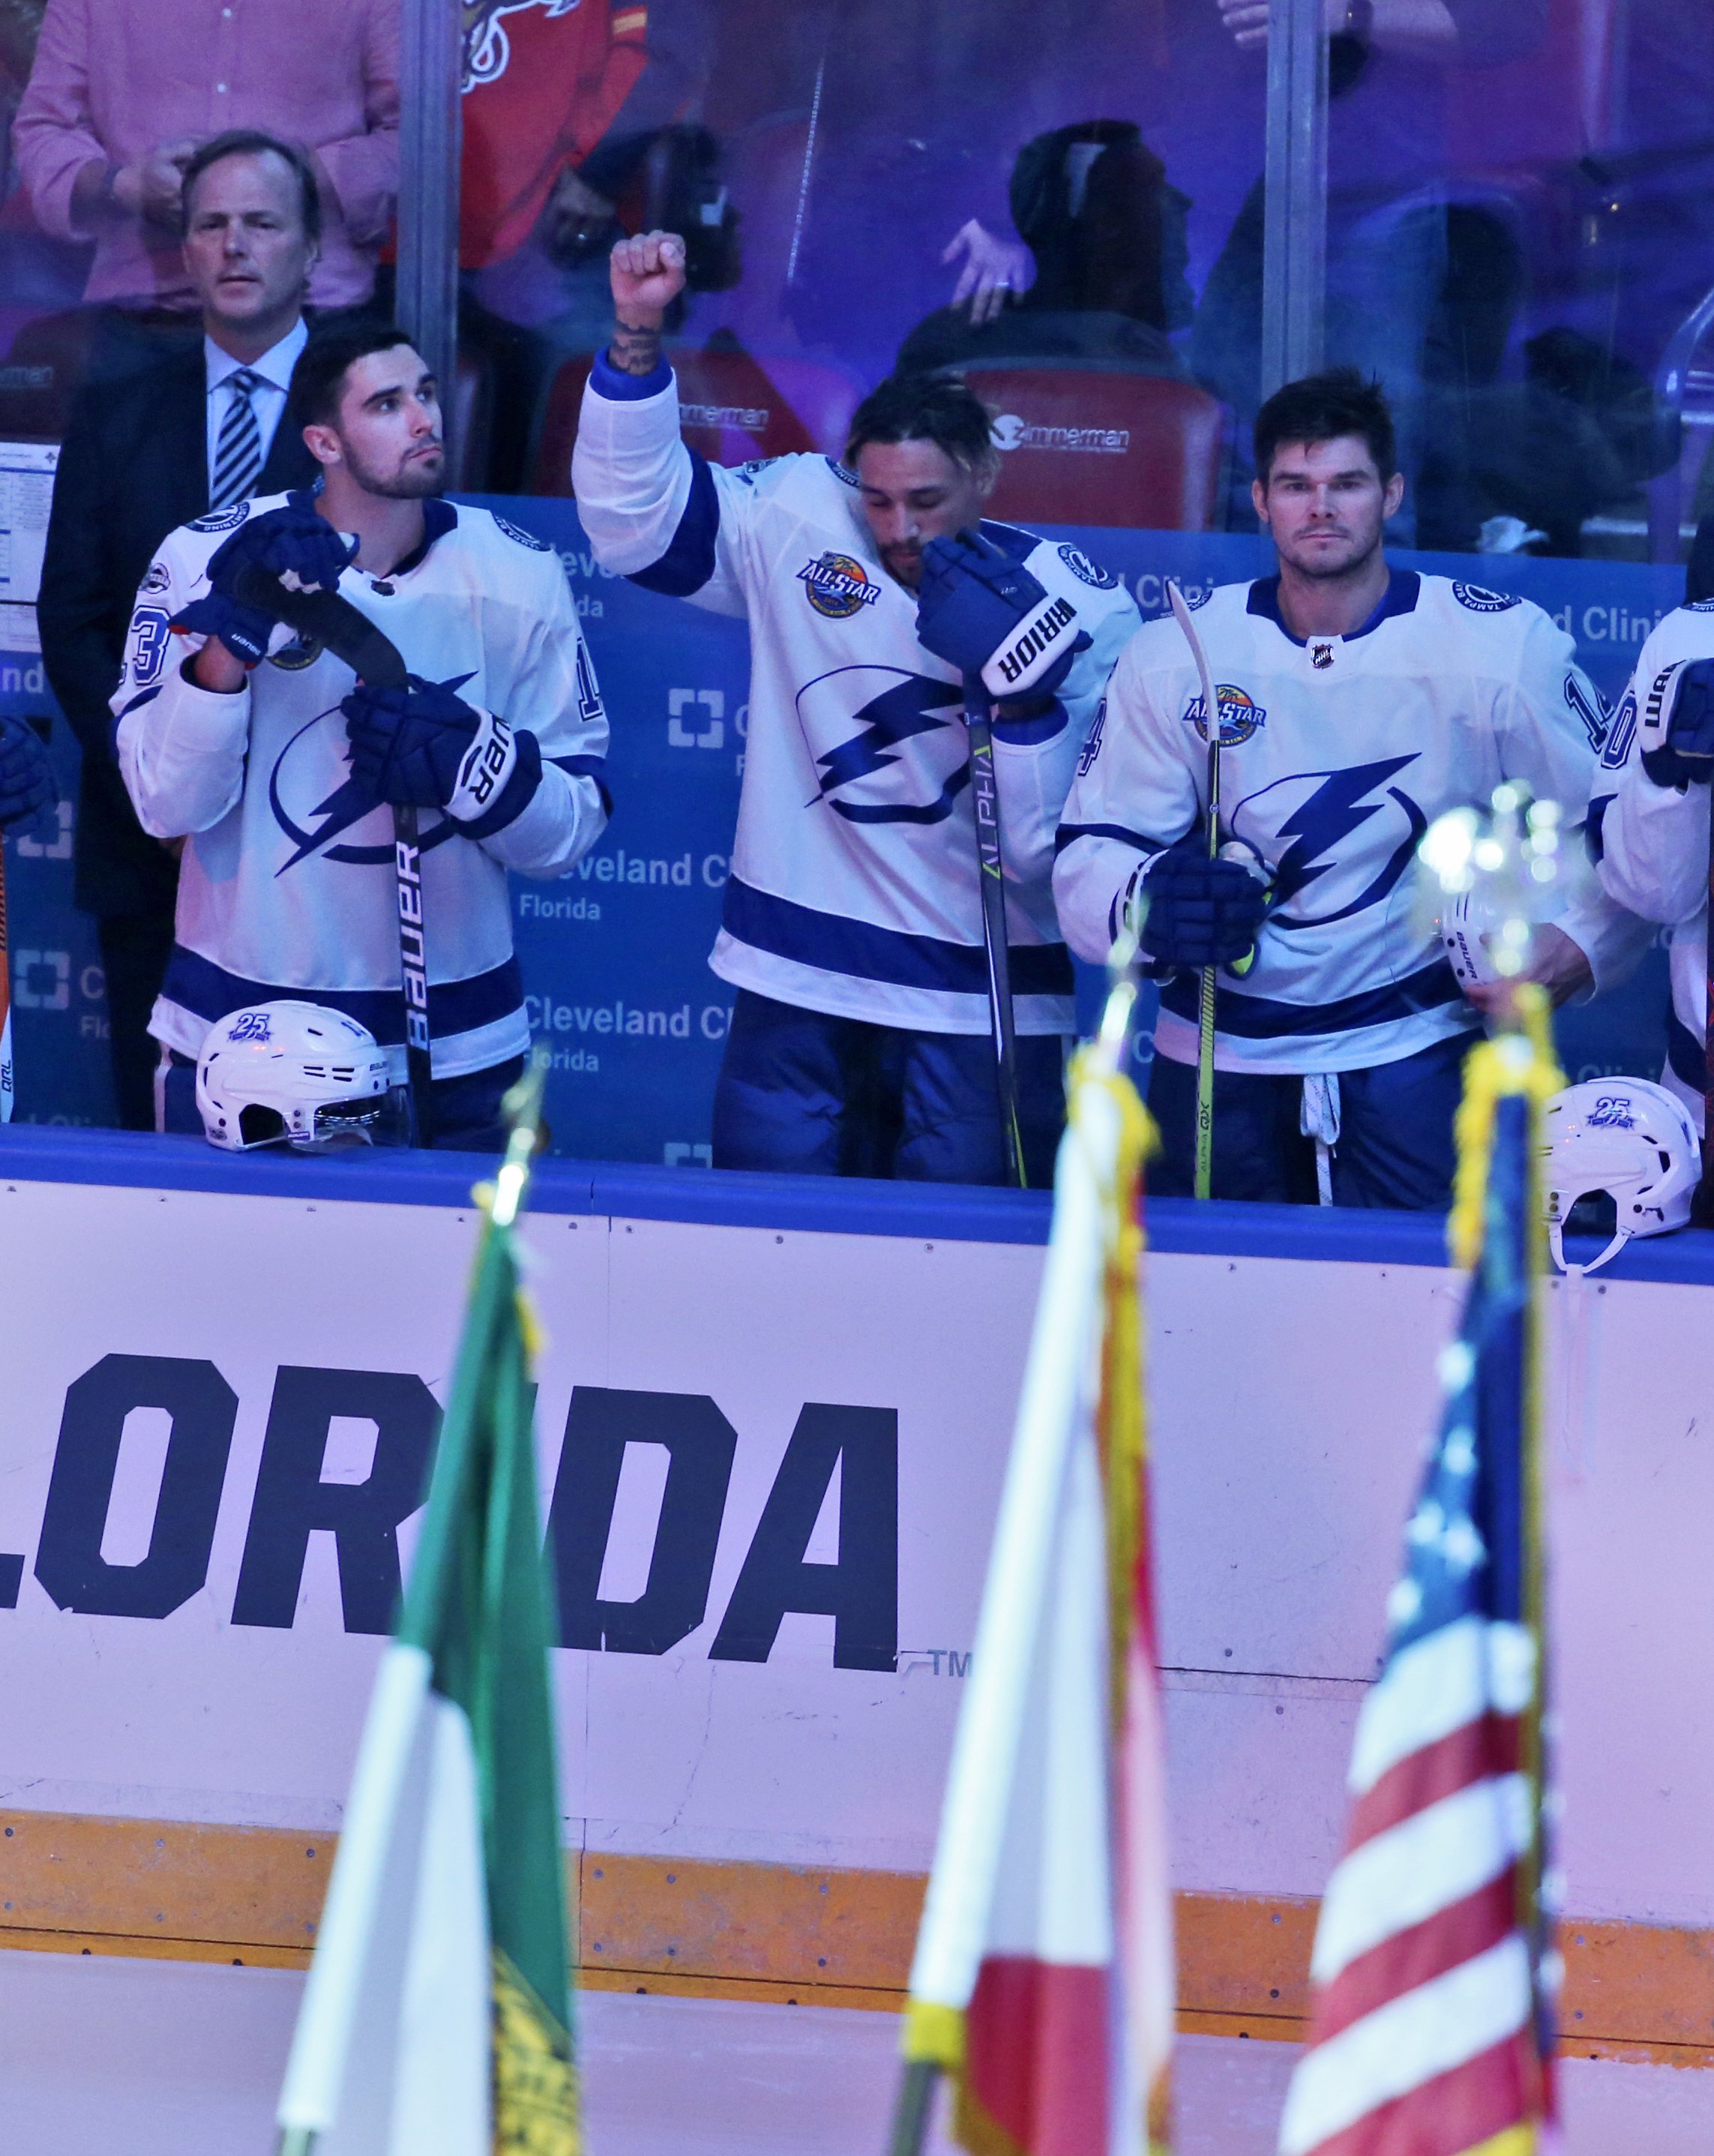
{"points": [[761, 1378]]}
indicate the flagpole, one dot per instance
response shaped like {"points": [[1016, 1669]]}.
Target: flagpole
{"points": [[915, 2101]]}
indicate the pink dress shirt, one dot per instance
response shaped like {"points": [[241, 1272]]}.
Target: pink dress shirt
{"points": [[113, 79]]}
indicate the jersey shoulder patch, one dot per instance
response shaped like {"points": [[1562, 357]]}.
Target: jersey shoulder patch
{"points": [[1699, 606], [223, 520], [1477, 599], [1087, 572], [523, 538], [843, 473], [156, 577]]}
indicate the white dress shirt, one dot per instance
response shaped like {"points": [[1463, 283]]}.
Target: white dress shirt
{"points": [[268, 401]]}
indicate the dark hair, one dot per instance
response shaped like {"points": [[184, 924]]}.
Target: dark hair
{"points": [[253, 142], [1320, 408], [925, 407], [318, 379]]}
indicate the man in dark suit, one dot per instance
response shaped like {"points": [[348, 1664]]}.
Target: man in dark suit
{"points": [[197, 430]]}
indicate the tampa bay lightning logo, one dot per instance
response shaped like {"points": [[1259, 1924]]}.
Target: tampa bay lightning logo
{"points": [[1087, 572], [863, 771], [1318, 878], [524, 538], [1477, 599], [223, 520], [301, 769]]}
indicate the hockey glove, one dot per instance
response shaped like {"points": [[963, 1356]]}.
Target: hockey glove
{"points": [[984, 613], [27, 780], [296, 545], [1199, 912], [424, 746], [1678, 725]]}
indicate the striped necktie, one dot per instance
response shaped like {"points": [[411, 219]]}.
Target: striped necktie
{"points": [[238, 452]]}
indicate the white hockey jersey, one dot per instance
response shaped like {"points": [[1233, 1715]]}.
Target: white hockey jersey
{"points": [[286, 887], [1338, 754], [1652, 847], [854, 882]]}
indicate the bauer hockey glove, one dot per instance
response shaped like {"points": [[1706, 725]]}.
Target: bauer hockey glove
{"points": [[1678, 725], [424, 746], [984, 613], [1199, 912], [300, 548], [27, 780]]}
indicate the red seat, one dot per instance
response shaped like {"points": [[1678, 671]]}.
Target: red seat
{"points": [[1083, 446], [731, 408]]}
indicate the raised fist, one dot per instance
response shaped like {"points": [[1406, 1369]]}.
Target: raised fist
{"points": [[648, 274]]}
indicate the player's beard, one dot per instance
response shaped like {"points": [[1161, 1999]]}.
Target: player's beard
{"points": [[904, 565], [1316, 569], [414, 480]]}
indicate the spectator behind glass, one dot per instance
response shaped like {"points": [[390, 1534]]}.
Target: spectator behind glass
{"points": [[136, 463], [124, 90], [1107, 235], [1388, 62], [541, 86]]}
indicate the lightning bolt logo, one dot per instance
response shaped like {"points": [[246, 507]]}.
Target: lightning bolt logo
{"points": [[898, 715], [1318, 824]]}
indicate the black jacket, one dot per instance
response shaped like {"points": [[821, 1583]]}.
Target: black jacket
{"points": [[134, 466]]}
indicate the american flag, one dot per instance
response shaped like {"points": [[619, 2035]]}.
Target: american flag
{"points": [[1433, 1970]]}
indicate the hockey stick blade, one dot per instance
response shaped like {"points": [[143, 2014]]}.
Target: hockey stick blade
{"points": [[334, 624], [331, 621]]}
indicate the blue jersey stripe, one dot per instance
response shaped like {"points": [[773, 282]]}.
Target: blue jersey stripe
{"points": [[1069, 833], [1259, 1018], [867, 953], [198, 985], [688, 563]]}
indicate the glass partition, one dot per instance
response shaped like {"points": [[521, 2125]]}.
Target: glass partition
{"points": [[1503, 208]]}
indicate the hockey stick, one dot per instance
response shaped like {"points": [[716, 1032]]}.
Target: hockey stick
{"points": [[334, 624], [985, 798], [1205, 1020], [8, 1084]]}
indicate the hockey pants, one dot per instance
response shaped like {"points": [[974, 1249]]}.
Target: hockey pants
{"points": [[1395, 1146], [802, 1093]]}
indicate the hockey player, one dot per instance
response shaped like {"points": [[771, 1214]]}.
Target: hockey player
{"points": [[1356, 703], [280, 769], [1650, 822], [852, 922]]}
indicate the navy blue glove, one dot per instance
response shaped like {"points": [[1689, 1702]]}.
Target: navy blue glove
{"points": [[409, 745], [294, 545], [1683, 729], [983, 613], [26, 781], [1200, 912]]}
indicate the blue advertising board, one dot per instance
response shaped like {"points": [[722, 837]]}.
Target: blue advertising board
{"points": [[615, 955]]}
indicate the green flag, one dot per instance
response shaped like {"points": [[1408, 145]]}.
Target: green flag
{"points": [[437, 2018]]}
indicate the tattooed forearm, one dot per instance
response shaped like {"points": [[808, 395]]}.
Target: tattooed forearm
{"points": [[635, 350]]}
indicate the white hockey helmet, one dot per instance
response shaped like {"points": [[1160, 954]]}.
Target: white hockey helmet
{"points": [[1629, 1138], [289, 1073]]}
